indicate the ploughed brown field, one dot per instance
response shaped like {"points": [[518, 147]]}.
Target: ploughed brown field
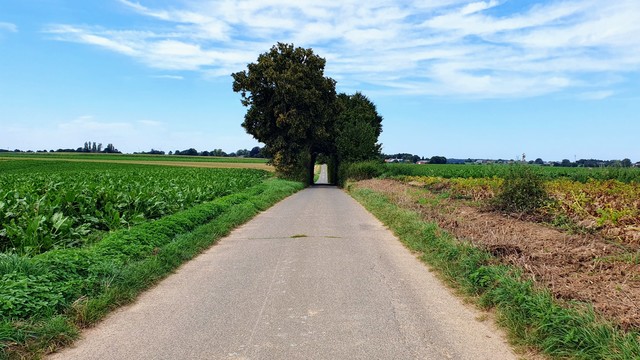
{"points": [[591, 267]]}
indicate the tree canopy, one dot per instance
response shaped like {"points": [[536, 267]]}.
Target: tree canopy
{"points": [[357, 128], [294, 110]]}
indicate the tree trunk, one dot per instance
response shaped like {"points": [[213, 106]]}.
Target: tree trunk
{"points": [[310, 167], [333, 166]]}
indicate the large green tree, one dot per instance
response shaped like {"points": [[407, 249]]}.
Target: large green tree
{"points": [[358, 126], [291, 107]]}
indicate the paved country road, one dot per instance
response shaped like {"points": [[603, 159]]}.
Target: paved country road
{"points": [[314, 277], [324, 175]]}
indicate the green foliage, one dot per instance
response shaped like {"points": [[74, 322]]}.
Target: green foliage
{"points": [[438, 160], [42, 297], [532, 316], [522, 191], [360, 170], [358, 126], [293, 109], [497, 170], [14, 263], [291, 105], [55, 205]]}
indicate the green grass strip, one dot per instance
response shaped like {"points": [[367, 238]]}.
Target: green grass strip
{"points": [[48, 298], [531, 316]]}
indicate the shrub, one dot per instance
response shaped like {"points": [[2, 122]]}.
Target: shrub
{"points": [[360, 170], [522, 191]]}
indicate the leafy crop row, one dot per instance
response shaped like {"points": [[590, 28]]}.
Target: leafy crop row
{"points": [[56, 205], [583, 175]]}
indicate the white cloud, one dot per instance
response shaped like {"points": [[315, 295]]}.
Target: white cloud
{"points": [[477, 7], [597, 95], [150, 123], [170, 77], [440, 47], [5, 26]]}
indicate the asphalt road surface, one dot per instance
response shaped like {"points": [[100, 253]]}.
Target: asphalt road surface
{"points": [[323, 179], [314, 277]]}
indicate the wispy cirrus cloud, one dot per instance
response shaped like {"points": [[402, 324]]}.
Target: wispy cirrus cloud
{"points": [[597, 95], [10, 27], [170, 77], [443, 47]]}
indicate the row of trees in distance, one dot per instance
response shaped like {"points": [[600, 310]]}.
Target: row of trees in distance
{"points": [[88, 147], [411, 158], [255, 152], [258, 152], [92, 147]]}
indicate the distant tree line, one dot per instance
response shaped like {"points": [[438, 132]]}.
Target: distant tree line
{"points": [[594, 163], [255, 152], [88, 147], [411, 158], [93, 147], [260, 152], [402, 157]]}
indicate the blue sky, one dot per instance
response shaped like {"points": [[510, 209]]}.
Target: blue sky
{"points": [[488, 79]]}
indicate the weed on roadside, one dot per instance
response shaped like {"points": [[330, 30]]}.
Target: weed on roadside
{"points": [[523, 191]]}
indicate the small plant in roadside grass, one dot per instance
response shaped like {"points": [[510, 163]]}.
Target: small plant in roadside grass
{"points": [[522, 191]]}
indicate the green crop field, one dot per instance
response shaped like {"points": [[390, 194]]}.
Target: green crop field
{"points": [[488, 171], [78, 239], [57, 204]]}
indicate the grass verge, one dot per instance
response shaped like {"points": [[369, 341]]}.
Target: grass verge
{"points": [[47, 299], [532, 317]]}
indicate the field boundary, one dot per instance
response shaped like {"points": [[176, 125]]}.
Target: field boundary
{"points": [[197, 164]]}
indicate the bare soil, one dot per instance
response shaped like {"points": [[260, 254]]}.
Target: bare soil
{"points": [[582, 267]]}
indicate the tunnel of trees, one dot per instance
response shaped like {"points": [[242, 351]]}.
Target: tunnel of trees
{"points": [[293, 108]]}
